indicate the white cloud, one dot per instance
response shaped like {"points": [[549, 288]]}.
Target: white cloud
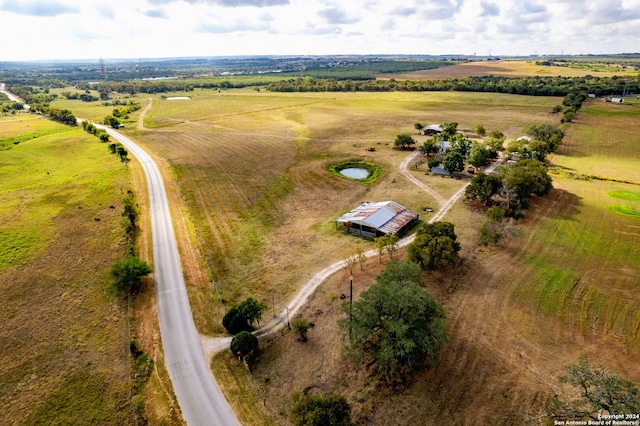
{"points": [[151, 28]]}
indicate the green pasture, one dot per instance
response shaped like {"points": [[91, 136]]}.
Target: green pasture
{"points": [[58, 237], [582, 263], [603, 142]]}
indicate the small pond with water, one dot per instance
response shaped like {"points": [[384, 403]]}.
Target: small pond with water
{"points": [[355, 173]]}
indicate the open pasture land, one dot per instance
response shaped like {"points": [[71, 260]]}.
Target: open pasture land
{"points": [[564, 286], [250, 167], [604, 141], [63, 333], [507, 68]]}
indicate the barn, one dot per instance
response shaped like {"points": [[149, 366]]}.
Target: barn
{"points": [[371, 220], [432, 129]]}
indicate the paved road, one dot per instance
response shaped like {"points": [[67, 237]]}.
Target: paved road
{"points": [[199, 397]]}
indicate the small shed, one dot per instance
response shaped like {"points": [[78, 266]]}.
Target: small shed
{"points": [[371, 220], [524, 138], [440, 170]]}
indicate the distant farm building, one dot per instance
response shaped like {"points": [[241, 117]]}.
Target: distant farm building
{"points": [[371, 220], [615, 100], [432, 129], [524, 138]]}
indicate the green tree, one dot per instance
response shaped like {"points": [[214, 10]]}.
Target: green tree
{"points": [[110, 120], [547, 133], [434, 246], [404, 141], [480, 130], [311, 410], [241, 316], [418, 126], [381, 246], [103, 136], [391, 244], [243, 344], [128, 273], [430, 146], [453, 162], [497, 134], [484, 187], [395, 325], [479, 155], [598, 391], [122, 153], [528, 177], [251, 310], [449, 128], [494, 145]]}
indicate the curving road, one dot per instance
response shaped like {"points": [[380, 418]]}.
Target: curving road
{"points": [[198, 394]]}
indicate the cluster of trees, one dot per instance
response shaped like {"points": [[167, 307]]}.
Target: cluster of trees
{"points": [[64, 116], [384, 244], [508, 193], [461, 150], [9, 107], [128, 272], [83, 96], [537, 86], [99, 133], [545, 139], [117, 148]]}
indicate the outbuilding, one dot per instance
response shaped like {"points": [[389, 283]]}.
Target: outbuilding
{"points": [[432, 129], [371, 220]]}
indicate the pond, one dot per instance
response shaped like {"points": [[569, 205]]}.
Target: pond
{"points": [[355, 173]]}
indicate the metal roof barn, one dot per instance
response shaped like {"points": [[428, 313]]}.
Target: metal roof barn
{"points": [[374, 219]]}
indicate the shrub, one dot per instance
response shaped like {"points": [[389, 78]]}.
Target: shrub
{"points": [[310, 410]]}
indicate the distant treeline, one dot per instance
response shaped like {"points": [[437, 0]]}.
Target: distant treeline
{"points": [[536, 86]]}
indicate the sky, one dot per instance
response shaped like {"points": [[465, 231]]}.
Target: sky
{"points": [[92, 29]]}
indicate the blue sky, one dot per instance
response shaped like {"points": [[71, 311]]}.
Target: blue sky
{"points": [[89, 29]]}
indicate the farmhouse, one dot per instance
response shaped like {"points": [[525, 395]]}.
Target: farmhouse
{"points": [[371, 220], [444, 147], [432, 129]]}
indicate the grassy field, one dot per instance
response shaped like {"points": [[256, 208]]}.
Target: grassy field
{"points": [[565, 286], [250, 169], [510, 68], [64, 333]]}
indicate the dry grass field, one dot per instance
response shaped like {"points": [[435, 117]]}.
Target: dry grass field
{"points": [[64, 334], [566, 286], [509, 68], [249, 167]]}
